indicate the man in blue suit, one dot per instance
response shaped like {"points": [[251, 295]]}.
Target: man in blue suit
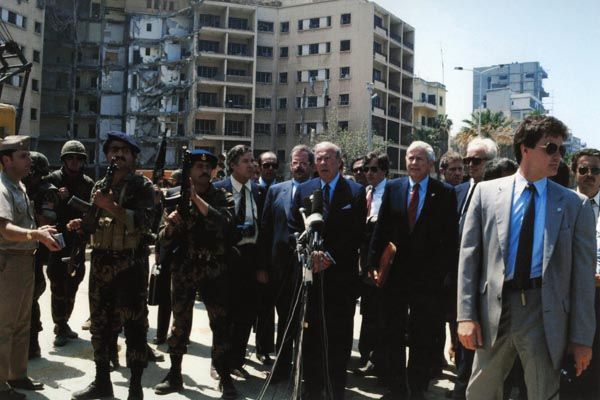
{"points": [[277, 253], [418, 215], [332, 296], [249, 200]]}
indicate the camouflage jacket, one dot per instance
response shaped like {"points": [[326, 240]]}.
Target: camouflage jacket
{"points": [[203, 237], [80, 187], [136, 195]]}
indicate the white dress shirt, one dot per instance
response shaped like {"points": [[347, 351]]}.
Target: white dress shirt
{"points": [[251, 210]]}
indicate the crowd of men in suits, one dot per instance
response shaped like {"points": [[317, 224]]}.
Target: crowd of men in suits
{"points": [[495, 248]]}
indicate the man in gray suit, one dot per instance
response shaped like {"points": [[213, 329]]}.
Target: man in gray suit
{"points": [[526, 270]]}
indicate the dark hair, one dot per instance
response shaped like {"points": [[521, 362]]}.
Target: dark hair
{"points": [[499, 168], [581, 153], [563, 176], [7, 153], [449, 157], [361, 158], [235, 153], [383, 161], [305, 148], [535, 127], [270, 153]]}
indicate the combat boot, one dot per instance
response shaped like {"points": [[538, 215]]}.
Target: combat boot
{"points": [[100, 388], [173, 382]]}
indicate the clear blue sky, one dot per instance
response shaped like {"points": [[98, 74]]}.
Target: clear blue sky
{"points": [[564, 36]]}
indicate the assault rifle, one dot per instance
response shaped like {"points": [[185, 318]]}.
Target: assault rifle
{"points": [[89, 221]]}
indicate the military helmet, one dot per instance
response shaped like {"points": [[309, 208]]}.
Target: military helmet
{"points": [[73, 147], [39, 164]]}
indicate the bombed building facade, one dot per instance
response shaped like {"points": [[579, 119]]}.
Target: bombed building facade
{"points": [[214, 74]]}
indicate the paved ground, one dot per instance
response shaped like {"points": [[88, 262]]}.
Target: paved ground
{"points": [[71, 368]]}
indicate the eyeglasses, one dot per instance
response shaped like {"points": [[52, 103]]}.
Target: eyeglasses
{"points": [[587, 170], [552, 148], [474, 160], [270, 165], [357, 170], [373, 169]]}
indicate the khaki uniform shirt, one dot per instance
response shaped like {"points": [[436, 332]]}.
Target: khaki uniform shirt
{"points": [[16, 207]]}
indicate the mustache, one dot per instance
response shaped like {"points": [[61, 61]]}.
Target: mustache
{"points": [[119, 158]]}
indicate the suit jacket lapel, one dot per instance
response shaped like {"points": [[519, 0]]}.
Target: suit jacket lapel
{"points": [[340, 198], [503, 209], [554, 214], [404, 185], [286, 197]]}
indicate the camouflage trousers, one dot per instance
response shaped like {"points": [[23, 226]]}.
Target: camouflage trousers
{"points": [[187, 279], [63, 287], [117, 295]]}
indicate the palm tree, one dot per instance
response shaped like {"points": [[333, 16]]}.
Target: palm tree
{"points": [[494, 125]]}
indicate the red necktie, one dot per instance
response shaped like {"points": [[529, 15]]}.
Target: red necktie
{"points": [[413, 207], [370, 201]]}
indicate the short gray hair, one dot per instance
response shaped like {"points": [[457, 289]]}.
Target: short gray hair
{"points": [[329, 145], [418, 144], [490, 147]]}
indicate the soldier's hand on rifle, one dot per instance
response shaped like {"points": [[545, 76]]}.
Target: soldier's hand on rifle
{"points": [[104, 200], [173, 220], [63, 193], [44, 235], [74, 225]]}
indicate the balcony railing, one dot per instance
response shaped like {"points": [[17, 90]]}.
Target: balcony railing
{"points": [[396, 37], [408, 68], [410, 45], [395, 62], [238, 79], [240, 106], [407, 93], [395, 88]]}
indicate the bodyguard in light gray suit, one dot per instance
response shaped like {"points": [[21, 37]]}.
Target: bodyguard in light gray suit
{"points": [[526, 269]]}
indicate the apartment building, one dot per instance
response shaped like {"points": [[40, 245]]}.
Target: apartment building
{"points": [[514, 89], [313, 62], [429, 102], [25, 23]]}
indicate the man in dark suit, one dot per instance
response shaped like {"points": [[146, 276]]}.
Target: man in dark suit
{"points": [[265, 320], [277, 253], [418, 215], [249, 200], [332, 296]]}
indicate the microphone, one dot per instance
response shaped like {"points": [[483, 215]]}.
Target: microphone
{"points": [[314, 222]]}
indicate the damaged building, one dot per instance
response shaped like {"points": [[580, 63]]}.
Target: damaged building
{"points": [[213, 74]]}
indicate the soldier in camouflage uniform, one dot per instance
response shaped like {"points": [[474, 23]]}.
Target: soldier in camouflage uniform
{"points": [[45, 203], [70, 181], [118, 273], [199, 265]]}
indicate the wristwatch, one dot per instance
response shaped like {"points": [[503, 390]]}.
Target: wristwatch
{"points": [[29, 235]]}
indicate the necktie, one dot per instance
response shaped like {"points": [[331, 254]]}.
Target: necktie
{"points": [[326, 200], [413, 207], [241, 212], [370, 194], [596, 209], [525, 247], [469, 197]]}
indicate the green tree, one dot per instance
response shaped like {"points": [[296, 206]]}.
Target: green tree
{"points": [[354, 143], [436, 134], [494, 125]]}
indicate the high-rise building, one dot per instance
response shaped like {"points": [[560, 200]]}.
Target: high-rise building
{"points": [[429, 102], [25, 23], [514, 89], [213, 74]]}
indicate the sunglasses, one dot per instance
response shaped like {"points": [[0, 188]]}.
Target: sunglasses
{"points": [[372, 169], [357, 170], [586, 170], [270, 165], [552, 148], [473, 160]]}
